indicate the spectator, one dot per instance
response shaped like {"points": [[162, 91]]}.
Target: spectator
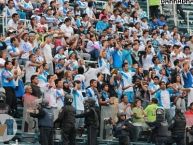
{"points": [[13, 23], [10, 9], [9, 86], [36, 91], [150, 110], [77, 103], [125, 107]]}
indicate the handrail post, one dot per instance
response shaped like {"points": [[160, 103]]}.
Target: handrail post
{"points": [[161, 8], [148, 8], [188, 22], [3, 25], [175, 17]]}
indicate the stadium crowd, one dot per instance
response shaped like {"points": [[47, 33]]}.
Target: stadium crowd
{"points": [[118, 57]]}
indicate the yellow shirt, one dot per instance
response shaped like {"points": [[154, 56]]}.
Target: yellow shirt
{"points": [[154, 2]]}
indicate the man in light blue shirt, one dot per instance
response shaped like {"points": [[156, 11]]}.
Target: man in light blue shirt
{"points": [[92, 92]]}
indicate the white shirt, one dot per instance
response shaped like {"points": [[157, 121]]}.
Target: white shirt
{"points": [[165, 99], [89, 12], [9, 12], [68, 30], [26, 48], [92, 74], [50, 95], [47, 52], [147, 61], [11, 24], [30, 70], [127, 80]]}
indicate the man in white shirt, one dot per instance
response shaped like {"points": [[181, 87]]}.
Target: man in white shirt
{"points": [[91, 73], [67, 28], [25, 48], [50, 95], [9, 10], [30, 67], [46, 47], [13, 23]]}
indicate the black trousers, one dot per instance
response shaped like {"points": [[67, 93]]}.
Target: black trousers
{"points": [[11, 99], [92, 135], [69, 135], [46, 135], [154, 11], [179, 139], [124, 140]]}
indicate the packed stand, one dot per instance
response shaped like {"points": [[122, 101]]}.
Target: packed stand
{"points": [[128, 64]]}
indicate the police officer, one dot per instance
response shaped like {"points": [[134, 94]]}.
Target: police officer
{"points": [[66, 119], [45, 116], [160, 131], [123, 129], [91, 120], [178, 127]]}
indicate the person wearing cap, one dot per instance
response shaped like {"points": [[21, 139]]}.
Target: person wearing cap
{"points": [[51, 21]]}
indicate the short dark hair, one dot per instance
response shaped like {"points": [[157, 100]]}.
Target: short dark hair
{"points": [[154, 100], [13, 39], [33, 77], [80, 70], [57, 80], [6, 63], [99, 74], [49, 76], [15, 14], [124, 64], [31, 55], [91, 81]]}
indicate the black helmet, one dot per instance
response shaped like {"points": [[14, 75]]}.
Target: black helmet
{"points": [[2, 99], [121, 114], [89, 102], [68, 99], [160, 114]]}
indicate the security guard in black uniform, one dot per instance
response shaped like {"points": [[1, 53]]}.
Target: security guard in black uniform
{"points": [[91, 120], [178, 128], [66, 121], [123, 129], [161, 132]]}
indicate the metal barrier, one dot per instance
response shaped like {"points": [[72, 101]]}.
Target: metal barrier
{"points": [[4, 21]]}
